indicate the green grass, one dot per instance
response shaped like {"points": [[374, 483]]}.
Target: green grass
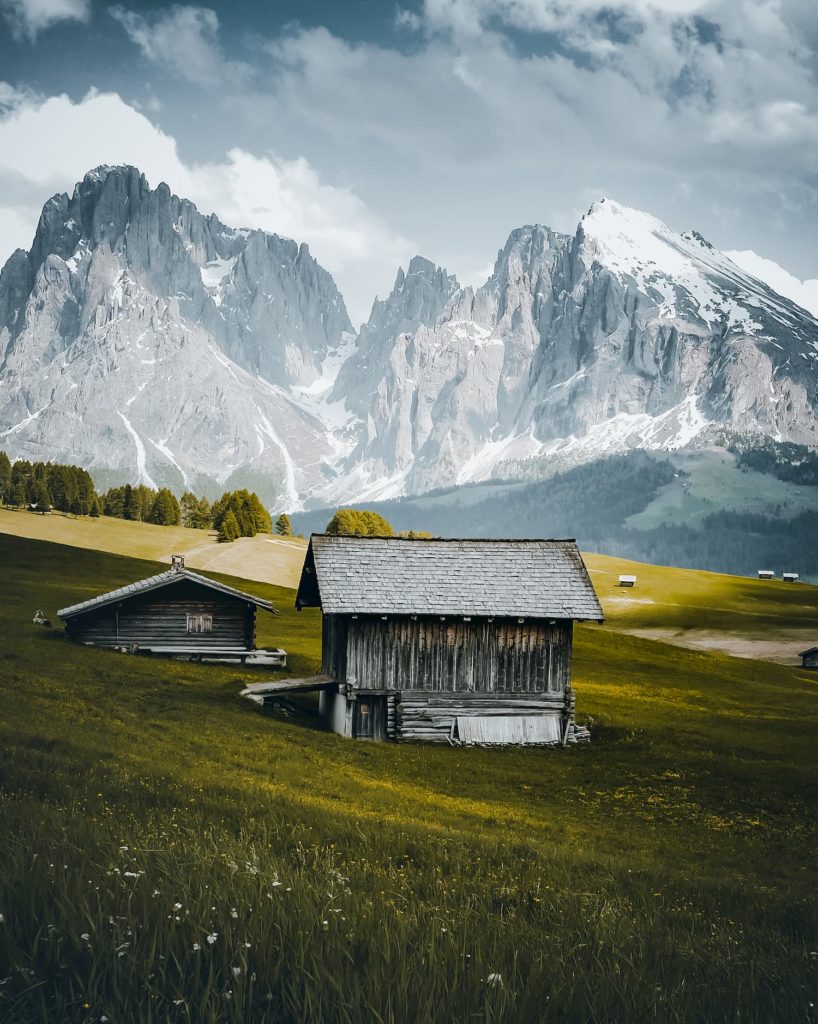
{"points": [[663, 873], [693, 599], [713, 481]]}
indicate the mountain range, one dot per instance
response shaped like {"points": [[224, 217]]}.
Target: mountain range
{"points": [[149, 342]]}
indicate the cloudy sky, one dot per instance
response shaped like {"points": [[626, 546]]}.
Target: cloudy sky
{"points": [[373, 130]]}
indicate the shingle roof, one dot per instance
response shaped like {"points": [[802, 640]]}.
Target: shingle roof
{"points": [[163, 579], [376, 575]]}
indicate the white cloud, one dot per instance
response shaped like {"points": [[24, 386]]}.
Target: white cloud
{"points": [[184, 39], [804, 293], [29, 17], [52, 143]]}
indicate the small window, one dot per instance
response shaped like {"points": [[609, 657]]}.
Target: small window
{"points": [[199, 623]]}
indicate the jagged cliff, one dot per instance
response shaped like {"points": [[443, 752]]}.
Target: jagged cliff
{"points": [[147, 341], [141, 338], [623, 335]]}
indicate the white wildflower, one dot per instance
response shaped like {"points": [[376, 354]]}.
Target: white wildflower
{"points": [[85, 937], [196, 947], [212, 938], [236, 971], [494, 980], [234, 913], [177, 906]]}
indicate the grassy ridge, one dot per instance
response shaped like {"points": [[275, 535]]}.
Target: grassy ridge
{"points": [[663, 873]]}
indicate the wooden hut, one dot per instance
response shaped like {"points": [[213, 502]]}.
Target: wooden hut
{"points": [[177, 613], [627, 581], [448, 640], [766, 574], [790, 577], [809, 658]]}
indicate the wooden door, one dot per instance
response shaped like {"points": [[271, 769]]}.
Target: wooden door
{"points": [[369, 720]]}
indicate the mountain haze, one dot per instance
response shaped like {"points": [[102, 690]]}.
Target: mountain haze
{"points": [[144, 340]]}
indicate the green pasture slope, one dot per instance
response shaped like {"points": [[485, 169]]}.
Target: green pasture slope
{"points": [[170, 852]]}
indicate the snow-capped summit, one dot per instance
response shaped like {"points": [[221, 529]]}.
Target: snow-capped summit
{"points": [[147, 341], [627, 334]]}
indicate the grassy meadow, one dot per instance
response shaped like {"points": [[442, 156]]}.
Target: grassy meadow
{"points": [[171, 852]]}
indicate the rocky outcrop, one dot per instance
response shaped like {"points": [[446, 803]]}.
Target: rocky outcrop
{"points": [[623, 335], [145, 340]]}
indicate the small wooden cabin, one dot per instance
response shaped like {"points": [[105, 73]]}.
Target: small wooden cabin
{"points": [[627, 581], [790, 577], [177, 612], [448, 640], [809, 658], [766, 574]]}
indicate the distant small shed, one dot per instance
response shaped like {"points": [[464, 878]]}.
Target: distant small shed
{"points": [[766, 574], [177, 613], [627, 581], [790, 577], [809, 658], [464, 641]]}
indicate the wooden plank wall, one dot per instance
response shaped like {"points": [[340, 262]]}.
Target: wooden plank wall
{"points": [[165, 622], [422, 715], [334, 646], [478, 656]]}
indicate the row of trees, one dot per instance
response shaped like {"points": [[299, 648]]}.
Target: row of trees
{"points": [[235, 514], [142, 504], [46, 486]]}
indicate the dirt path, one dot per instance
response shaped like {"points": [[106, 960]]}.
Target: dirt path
{"points": [[782, 648]]}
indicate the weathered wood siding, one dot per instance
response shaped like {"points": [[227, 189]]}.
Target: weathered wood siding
{"points": [[451, 655], [161, 618], [334, 646], [422, 715]]}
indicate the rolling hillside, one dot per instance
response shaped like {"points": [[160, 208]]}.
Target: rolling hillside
{"points": [[770, 621], [173, 852], [266, 558]]}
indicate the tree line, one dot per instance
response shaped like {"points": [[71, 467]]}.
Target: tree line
{"points": [[44, 486]]}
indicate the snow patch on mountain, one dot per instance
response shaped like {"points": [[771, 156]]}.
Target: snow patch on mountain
{"points": [[141, 461]]}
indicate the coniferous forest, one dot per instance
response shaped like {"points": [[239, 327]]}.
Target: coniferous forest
{"points": [[45, 487]]}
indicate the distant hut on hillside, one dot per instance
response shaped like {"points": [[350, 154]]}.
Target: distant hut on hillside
{"points": [[627, 581], [448, 640], [177, 613], [790, 577], [766, 574], [809, 658]]}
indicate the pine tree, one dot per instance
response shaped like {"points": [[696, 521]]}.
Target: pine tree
{"points": [[203, 517], [40, 497], [19, 494], [187, 504], [113, 502], [5, 478], [85, 497], [229, 529], [165, 510], [284, 527], [130, 504]]}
